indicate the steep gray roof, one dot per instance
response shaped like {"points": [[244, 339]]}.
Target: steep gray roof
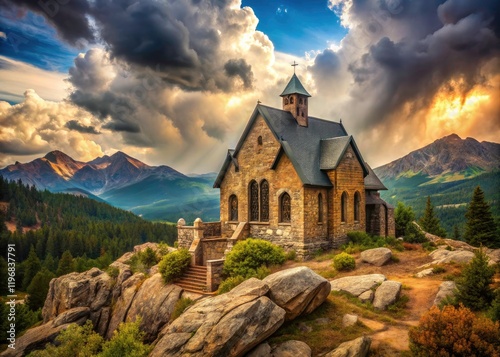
{"points": [[294, 86], [372, 182]]}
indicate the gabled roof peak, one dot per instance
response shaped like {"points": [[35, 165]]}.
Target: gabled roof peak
{"points": [[294, 86]]}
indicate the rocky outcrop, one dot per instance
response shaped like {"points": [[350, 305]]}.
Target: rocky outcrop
{"points": [[442, 256], [446, 289], [292, 349], [376, 256], [425, 273], [37, 337], [357, 285], [386, 294], [355, 348], [226, 325], [298, 290]]}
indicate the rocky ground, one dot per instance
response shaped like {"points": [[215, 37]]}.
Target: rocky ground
{"points": [[302, 309]]}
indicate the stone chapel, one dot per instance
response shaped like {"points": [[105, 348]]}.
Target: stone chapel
{"points": [[299, 181]]}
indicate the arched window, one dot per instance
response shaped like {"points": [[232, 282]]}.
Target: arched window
{"points": [[254, 201], [285, 208], [300, 101], [286, 100], [343, 207], [291, 100], [264, 201], [233, 208], [259, 140], [320, 207], [357, 202]]}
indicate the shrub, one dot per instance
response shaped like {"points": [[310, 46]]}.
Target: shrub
{"points": [[473, 287], [126, 342], [438, 270], [180, 306], [113, 271], [249, 255], [413, 234], [359, 241], [494, 312], [429, 246], [291, 255], [344, 261], [142, 261], [454, 332], [230, 283], [174, 264]]}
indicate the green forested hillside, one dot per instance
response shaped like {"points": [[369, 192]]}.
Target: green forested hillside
{"points": [[94, 233], [449, 198]]}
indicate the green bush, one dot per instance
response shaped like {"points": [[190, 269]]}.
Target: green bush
{"points": [[438, 270], [413, 234], [359, 241], [494, 312], [142, 261], [249, 255], [113, 271], [291, 255], [174, 264], [180, 306], [230, 283], [474, 286], [344, 261]]}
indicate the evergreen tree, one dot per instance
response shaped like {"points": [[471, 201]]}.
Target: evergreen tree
{"points": [[66, 264], [32, 266], [480, 227], [403, 215], [474, 286], [50, 263], [456, 233], [39, 288], [429, 222]]}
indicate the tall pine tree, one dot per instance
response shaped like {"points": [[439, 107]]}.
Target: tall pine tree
{"points": [[480, 227], [66, 264], [429, 222], [32, 266]]}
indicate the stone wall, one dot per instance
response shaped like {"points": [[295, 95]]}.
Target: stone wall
{"points": [[391, 222], [347, 177], [213, 249], [185, 236], [214, 274], [255, 162]]}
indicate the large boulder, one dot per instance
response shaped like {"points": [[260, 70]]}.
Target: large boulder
{"points": [[443, 256], [291, 349], [297, 290], [230, 324], [447, 288], [128, 290], [154, 303], [386, 294], [357, 285], [355, 348], [89, 289], [37, 337], [376, 256]]}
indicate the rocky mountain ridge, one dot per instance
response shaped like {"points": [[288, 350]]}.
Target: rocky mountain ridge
{"points": [[449, 155]]}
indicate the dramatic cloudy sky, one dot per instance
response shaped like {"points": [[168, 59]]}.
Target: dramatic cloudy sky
{"points": [[174, 81]]}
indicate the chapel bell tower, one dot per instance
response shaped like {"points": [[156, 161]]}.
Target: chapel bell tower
{"points": [[295, 99]]}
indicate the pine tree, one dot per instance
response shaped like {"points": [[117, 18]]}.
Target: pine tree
{"points": [[39, 288], [32, 266], [66, 264], [429, 222], [456, 233], [480, 227], [474, 287]]}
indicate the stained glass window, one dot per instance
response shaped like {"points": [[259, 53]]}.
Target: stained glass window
{"points": [[254, 201], [343, 207], [233, 208], [285, 208], [320, 207], [264, 201], [357, 200]]}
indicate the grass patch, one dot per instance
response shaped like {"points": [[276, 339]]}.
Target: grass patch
{"points": [[438, 269]]}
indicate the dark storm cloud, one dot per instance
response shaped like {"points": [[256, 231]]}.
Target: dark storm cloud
{"points": [[416, 48], [240, 68], [18, 147], [75, 125], [67, 16], [180, 40]]}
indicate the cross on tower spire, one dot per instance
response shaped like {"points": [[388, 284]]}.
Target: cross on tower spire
{"points": [[294, 65]]}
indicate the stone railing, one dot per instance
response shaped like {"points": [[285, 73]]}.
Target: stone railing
{"points": [[214, 274], [211, 229]]}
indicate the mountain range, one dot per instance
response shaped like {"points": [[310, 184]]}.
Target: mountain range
{"points": [[447, 170], [154, 192]]}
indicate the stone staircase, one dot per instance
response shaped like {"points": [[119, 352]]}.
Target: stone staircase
{"points": [[194, 280]]}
